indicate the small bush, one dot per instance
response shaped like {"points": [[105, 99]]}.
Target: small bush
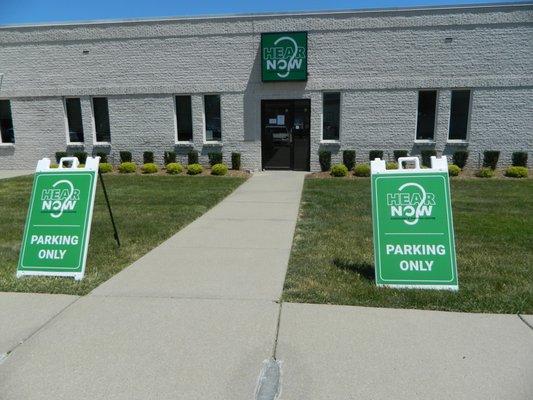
{"points": [[148, 157], [174, 168], [125, 156], [516, 172], [219, 169], [459, 158], [127, 168], [485, 173], [339, 170], [490, 159], [519, 159], [149, 168], [391, 165], [362, 170], [60, 155], [81, 165], [214, 158], [105, 168], [54, 166], [81, 156], [236, 161], [194, 169], [324, 158], [103, 157], [453, 170], [348, 159], [373, 154], [426, 156], [192, 157], [400, 153], [169, 157]]}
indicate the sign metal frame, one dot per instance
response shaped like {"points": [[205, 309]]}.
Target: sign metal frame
{"points": [[43, 170], [437, 175]]}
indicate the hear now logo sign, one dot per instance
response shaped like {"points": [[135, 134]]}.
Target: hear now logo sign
{"points": [[284, 56]]}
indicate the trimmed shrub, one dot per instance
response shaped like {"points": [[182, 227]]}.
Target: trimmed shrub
{"points": [[174, 168], [60, 155], [54, 166], [169, 157], [105, 168], [148, 157], [236, 161], [400, 153], [149, 168], [339, 170], [362, 170], [426, 156], [194, 169], [519, 159], [348, 159], [490, 159], [81, 156], [459, 158], [485, 173], [81, 165], [324, 158], [373, 154], [125, 156], [219, 169], [516, 172], [453, 170], [103, 157], [391, 165], [192, 157], [214, 158], [127, 168]]}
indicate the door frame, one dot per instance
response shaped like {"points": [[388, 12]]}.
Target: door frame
{"points": [[291, 163]]}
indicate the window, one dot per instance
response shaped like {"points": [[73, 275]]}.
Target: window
{"points": [[213, 130], [425, 122], [6, 122], [331, 116], [459, 111], [74, 124], [101, 119], [184, 118]]}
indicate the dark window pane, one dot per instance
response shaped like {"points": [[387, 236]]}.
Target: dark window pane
{"points": [[427, 105], [213, 130], [459, 114], [331, 116], [6, 122], [75, 126], [184, 117], [101, 119]]}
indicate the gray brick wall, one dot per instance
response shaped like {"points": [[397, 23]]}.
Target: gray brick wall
{"points": [[378, 60]]}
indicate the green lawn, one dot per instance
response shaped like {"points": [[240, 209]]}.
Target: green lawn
{"points": [[147, 210], [332, 255]]}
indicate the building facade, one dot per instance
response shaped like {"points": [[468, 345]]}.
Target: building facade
{"points": [[447, 78]]}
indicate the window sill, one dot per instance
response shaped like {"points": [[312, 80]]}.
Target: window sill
{"points": [[457, 142], [75, 144], [213, 143], [425, 142], [103, 144], [184, 143], [7, 144], [337, 142]]}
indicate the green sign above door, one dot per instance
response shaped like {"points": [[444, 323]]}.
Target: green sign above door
{"points": [[56, 235], [284, 56], [413, 228]]}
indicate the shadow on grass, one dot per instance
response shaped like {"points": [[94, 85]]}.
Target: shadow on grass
{"points": [[364, 270]]}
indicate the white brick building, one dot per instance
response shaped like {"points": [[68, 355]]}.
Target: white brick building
{"points": [[395, 72]]}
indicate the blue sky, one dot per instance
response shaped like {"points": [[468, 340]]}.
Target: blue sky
{"points": [[36, 11]]}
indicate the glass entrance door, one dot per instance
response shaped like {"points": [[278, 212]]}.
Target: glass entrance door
{"points": [[285, 134]]}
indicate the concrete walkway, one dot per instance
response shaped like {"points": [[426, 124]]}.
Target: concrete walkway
{"points": [[196, 317]]}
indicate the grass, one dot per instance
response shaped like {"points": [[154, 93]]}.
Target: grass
{"points": [[147, 210], [332, 256]]}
